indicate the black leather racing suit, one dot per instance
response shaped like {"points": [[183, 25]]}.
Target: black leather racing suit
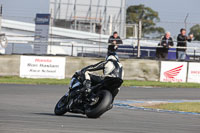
{"points": [[111, 67]]}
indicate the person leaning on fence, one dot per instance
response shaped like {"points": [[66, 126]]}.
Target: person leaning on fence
{"points": [[182, 42], [165, 44], [115, 39]]}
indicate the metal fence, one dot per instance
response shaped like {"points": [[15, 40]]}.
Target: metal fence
{"points": [[97, 50], [56, 48]]}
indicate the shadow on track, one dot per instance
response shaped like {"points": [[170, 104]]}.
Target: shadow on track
{"points": [[51, 114]]}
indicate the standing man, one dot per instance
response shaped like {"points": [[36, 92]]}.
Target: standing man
{"points": [[115, 39], [182, 42], [166, 43]]}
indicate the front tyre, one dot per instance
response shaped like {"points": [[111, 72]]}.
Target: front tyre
{"points": [[105, 99], [61, 106]]}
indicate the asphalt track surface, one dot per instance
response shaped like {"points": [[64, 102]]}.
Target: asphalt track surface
{"points": [[29, 109]]}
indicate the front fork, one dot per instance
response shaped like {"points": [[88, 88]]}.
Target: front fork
{"points": [[74, 100]]}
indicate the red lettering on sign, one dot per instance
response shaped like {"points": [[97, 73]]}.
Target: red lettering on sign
{"points": [[195, 72], [43, 60]]}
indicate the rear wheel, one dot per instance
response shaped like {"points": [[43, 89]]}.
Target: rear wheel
{"points": [[104, 101], [61, 106]]}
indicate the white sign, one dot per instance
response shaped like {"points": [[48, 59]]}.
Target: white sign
{"points": [[194, 72], [173, 71], [42, 67], [41, 33]]}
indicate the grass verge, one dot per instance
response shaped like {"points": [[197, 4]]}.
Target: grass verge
{"points": [[18, 80], [185, 106], [160, 84]]}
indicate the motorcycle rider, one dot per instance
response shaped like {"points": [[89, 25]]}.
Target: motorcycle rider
{"points": [[111, 68]]}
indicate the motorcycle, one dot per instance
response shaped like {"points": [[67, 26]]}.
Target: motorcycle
{"points": [[94, 104]]}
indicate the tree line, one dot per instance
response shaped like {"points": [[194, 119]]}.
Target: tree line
{"points": [[149, 18]]}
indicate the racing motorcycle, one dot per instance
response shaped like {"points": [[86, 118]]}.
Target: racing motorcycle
{"points": [[94, 104]]}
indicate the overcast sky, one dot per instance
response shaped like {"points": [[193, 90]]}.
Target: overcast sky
{"points": [[24, 10], [172, 12]]}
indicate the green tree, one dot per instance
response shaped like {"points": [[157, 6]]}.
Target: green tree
{"points": [[149, 18], [195, 30]]}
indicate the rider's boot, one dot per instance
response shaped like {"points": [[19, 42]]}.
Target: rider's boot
{"points": [[87, 86]]}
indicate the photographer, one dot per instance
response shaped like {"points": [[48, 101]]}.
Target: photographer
{"points": [[115, 39], [166, 43], [182, 42]]}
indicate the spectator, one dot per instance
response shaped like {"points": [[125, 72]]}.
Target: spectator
{"points": [[182, 42], [166, 43], [115, 39]]}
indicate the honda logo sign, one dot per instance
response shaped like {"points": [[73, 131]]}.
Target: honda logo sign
{"points": [[173, 71], [194, 72]]}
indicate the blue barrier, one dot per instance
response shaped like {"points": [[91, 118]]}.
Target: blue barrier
{"points": [[126, 51], [146, 52]]}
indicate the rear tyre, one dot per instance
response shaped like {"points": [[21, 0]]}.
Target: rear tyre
{"points": [[61, 106], [105, 99]]}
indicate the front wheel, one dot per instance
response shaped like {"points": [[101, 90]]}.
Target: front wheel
{"points": [[104, 101], [61, 106]]}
